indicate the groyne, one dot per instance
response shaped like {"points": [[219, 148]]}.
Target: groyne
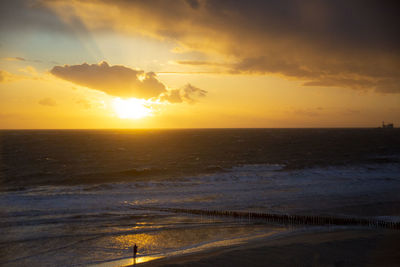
{"points": [[284, 218]]}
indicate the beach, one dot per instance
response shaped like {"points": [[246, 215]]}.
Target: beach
{"points": [[323, 247]]}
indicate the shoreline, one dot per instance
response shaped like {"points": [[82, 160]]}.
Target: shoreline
{"points": [[309, 247], [218, 245]]}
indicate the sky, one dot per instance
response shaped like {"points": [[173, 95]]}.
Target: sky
{"points": [[75, 64]]}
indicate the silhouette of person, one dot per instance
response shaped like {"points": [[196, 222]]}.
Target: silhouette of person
{"points": [[134, 254], [134, 251]]}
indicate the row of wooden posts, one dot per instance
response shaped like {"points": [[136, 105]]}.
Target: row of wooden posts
{"points": [[285, 219]]}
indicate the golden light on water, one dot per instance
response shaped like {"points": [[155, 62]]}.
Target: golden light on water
{"points": [[131, 108]]}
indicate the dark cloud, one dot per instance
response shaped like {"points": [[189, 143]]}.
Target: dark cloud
{"points": [[353, 44], [188, 93], [21, 15], [193, 3], [360, 75], [48, 102], [30, 18], [114, 80]]}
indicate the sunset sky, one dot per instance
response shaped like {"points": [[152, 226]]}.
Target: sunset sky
{"points": [[198, 64]]}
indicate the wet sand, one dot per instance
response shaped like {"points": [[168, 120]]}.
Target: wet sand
{"points": [[343, 247]]}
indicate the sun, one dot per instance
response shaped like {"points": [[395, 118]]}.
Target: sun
{"points": [[131, 108]]}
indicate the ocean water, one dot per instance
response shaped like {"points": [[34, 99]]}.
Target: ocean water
{"points": [[78, 198]]}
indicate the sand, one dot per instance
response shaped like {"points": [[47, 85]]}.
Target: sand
{"points": [[326, 247]]}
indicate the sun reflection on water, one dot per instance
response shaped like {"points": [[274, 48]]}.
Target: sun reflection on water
{"points": [[143, 241], [185, 237]]}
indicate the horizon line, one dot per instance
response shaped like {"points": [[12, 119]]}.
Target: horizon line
{"points": [[186, 128]]}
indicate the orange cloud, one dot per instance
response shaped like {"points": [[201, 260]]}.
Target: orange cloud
{"points": [[13, 59], [7, 77], [114, 80], [125, 82], [188, 93]]}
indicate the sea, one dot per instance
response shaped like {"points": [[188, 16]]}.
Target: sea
{"points": [[85, 197]]}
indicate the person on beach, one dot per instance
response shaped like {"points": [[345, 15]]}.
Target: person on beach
{"points": [[134, 251]]}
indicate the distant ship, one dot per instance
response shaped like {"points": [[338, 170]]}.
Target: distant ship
{"points": [[387, 126]]}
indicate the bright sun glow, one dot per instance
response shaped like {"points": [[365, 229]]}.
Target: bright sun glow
{"points": [[132, 108]]}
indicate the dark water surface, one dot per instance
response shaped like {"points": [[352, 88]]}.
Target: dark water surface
{"points": [[75, 198], [80, 157]]}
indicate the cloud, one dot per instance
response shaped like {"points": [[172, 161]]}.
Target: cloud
{"points": [[22, 59], [125, 82], [188, 93], [352, 44], [200, 63], [14, 59], [194, 62], [7, 77], [114, 80], [47, 102], [193, 3], [27, 15], [29, 73], [3, 75]]}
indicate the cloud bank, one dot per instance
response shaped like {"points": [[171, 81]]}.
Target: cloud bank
{"points": [[352, 44], [125, 82]]}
